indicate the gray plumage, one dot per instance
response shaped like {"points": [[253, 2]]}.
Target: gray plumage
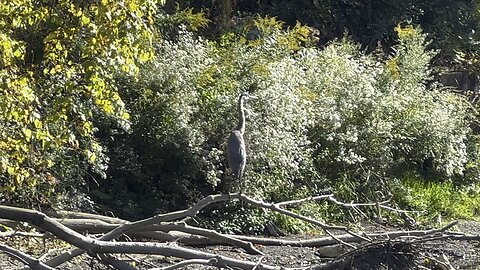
{"points": [[236, 151]]}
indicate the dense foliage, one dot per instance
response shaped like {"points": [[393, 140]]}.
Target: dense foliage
{"points": [[332, 118], [56, 72], [130, 106]]}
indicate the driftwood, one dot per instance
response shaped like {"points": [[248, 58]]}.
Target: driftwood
{"points": [[165, 229]]}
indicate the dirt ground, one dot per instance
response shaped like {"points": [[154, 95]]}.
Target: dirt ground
{"points": [[438, 255], [453, 254]]}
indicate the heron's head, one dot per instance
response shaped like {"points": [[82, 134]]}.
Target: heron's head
{"points": [[246, 96]]}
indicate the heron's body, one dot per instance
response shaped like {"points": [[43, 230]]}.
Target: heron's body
{"points": [[236, 154], [236, 150]]}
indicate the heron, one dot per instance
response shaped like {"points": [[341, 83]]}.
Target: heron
{"points": [[236, 152]]}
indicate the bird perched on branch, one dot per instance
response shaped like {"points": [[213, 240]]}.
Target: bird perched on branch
{"points": [[236, 152]]}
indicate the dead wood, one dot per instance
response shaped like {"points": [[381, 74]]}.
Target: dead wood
{"points": [[193, 211], [192, 236], [99, 246], [172, 227], [212, 262], [114, 263], [33, 263]]}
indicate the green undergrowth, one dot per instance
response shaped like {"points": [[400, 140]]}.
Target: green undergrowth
{"points": [[444, 201], [430, 203]]}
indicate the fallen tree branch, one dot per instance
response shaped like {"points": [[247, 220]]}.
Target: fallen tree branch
{"points": [[225, 239], [112, 262], [331, 198], [197, 240], [102, 247], [193, 211], [326, 228], [98, 246], [33, 263], [211, 262]]}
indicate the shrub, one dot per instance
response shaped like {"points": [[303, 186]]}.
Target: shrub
{"points": [[376, 121], [332, 118]]}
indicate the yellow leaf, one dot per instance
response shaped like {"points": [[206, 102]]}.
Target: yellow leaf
{"points": [[91, 156], [49, 163], [85, 20], [28, 134], [37, 123], [18, 53]]}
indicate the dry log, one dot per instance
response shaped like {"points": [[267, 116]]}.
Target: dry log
{"points": [[167, 224], [98, 246], [212, 262], [24, 258], [193, 211]]}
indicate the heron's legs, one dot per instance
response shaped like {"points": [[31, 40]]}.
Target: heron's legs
{"points": [[241, 186], [241, 189]]}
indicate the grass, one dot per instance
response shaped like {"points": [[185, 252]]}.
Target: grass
{"points": [[442, 200]]}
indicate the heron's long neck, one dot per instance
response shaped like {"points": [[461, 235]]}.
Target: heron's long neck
{"points": [[241, 116]]}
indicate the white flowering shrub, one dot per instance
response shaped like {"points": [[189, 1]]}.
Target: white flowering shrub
{"points": [[332, 118], [377, 121], [277, 134]]}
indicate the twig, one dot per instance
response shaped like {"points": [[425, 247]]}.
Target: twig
{"points": [[331, 198], [430, 234], [139, 261], [258, 263], [444, 228], [23, 234], [304, 200], [212, 262], [326, 228], [438, 264]]}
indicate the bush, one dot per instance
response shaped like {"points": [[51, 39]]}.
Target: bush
{"points": [[333, 118], [182, 112], [375, 122]]}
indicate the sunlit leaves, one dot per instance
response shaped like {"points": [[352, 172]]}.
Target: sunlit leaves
{"points": [[10, 50], [56, 69]]}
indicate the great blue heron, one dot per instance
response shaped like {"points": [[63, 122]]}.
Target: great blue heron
{"points": [[236, 153]]}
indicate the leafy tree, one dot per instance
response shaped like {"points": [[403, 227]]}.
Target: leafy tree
{"points": [[56, 73]]}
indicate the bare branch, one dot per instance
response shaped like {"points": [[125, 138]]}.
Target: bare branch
{"points": [[166, 223], [304, 200], [24, 258], [258, 263], [23, 234], [116, 264], [331, 198], [181, 226], [193, 211], [99, 246], [326, 228], [212, 262]]}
